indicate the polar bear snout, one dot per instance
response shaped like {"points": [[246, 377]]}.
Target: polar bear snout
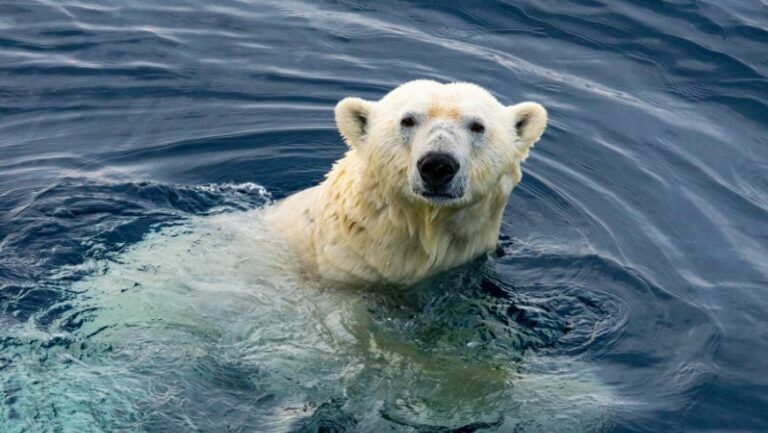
{"points": [[437, 170]]}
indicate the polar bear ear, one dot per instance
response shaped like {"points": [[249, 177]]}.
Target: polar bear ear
{"points": [[529, 120], [352, 119]]}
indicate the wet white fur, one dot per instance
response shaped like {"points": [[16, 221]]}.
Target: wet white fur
{"points": [[367, 223]]}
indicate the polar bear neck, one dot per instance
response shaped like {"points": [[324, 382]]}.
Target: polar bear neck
{"points": [[367, 234]]}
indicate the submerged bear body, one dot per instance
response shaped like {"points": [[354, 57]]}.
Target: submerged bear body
{"points": [[422, 188]]}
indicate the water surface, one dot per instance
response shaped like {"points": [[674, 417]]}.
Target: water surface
{"points": [[139, 142]]}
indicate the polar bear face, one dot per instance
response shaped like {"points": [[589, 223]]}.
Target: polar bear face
{"points": [[444, 145]]}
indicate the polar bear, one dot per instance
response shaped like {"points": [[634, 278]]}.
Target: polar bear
{"points": [[422, 188]]}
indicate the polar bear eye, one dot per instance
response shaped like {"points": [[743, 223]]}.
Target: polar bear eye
{"points": [[477, 127], [408, 121]]}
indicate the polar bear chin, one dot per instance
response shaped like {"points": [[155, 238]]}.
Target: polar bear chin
{"points": [[422, 189]]}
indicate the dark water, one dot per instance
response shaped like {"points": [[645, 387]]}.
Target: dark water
{"points": [[636, 247]]}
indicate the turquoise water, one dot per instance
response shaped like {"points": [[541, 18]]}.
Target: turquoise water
{"points": [[140, 292]]}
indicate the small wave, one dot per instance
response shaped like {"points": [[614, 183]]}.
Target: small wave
{"points": [[245, 187]]}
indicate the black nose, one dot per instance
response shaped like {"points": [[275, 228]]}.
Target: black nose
{"points": [[437, 169]]}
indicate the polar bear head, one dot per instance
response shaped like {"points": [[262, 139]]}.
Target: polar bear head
{"points": [[443, 145]]}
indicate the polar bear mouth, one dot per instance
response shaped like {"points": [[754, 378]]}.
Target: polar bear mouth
{"points": [[444, 194], [440, 198], [440, 195]]}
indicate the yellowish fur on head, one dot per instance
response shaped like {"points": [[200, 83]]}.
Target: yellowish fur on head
{"points": [[437, 110]]}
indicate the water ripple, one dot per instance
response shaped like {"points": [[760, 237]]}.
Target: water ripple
{"points": [[631, 276]]}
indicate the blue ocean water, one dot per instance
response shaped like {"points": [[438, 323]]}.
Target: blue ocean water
{"points": [[635, 248]]}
